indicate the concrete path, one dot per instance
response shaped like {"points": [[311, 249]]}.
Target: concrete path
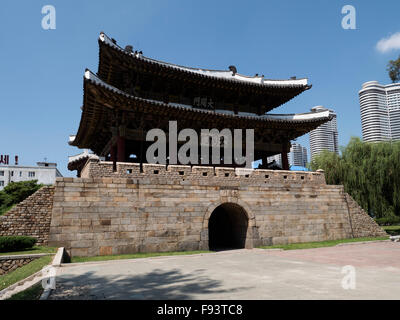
{"points": [[241, 274]]}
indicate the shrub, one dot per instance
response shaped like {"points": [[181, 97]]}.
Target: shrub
{"points": [[15, 192], [388, 221], [16, 243]]}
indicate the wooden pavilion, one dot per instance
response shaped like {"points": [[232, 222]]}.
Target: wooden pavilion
{"points": [[131, 94]]}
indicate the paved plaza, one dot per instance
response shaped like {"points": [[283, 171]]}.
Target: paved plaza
{"points": [[240, 274]]}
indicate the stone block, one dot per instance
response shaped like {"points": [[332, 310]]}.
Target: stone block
{"points": [[78, 252], [106, 250]]}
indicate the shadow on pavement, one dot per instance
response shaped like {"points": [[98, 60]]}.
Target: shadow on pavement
{"points": [[158, 284]]}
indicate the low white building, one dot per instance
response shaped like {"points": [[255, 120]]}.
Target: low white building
{"points": [[44, 172]]}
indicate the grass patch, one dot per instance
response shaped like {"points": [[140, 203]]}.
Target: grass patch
{"points": [[134, 256], [24, 272], [32, 293], [319, 244], [392, 230], [35, 249]]}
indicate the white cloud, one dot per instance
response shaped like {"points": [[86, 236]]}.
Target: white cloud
{"points": [[390, 43]]}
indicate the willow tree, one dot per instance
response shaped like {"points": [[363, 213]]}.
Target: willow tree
{"points": [[330, 162], [369, 172]]}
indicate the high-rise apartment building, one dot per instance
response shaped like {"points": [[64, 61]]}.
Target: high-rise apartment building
{"points": [[380, 111], [325, 137], [297, 156]]}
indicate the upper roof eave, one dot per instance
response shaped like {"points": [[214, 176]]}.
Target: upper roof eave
{"points": [[222, 75]]}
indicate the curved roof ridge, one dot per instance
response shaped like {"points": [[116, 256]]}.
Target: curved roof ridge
{"points": [[224, 74]]}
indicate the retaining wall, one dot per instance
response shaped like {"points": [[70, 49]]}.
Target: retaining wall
{"points": [[30, 217], [168, 208]]}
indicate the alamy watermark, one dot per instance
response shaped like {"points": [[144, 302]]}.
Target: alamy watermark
{"points": [[188, 153], [49, 20], [349, 20], [349, 280], [49, 278]]}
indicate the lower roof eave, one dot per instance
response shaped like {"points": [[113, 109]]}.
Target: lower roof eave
{"points": [[90, 77]]}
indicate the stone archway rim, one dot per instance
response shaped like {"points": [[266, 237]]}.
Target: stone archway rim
{"points": [[246, 208]]}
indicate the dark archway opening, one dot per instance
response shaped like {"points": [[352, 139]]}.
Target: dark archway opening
{"points": [[227, 227]]}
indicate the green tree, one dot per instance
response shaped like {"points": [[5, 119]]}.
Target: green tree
{"points": [[330, 163], [393, 68], [15, 192], [369, 172]]}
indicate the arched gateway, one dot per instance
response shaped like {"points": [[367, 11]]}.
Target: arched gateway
{"points": [[228, 227]]}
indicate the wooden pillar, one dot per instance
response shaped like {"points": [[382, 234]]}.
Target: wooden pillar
{"points": [[264, 160], [113, 157], [141, 150], [121, 149], [285, 161]]}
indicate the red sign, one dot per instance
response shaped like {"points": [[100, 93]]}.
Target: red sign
{"points": [[4, 159]]}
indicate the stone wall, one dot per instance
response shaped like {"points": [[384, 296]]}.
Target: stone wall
{"points": [[168, 208], [362, 224], [8, 264], [198, 174], [30, 217]]}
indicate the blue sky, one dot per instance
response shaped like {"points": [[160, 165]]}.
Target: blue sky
{"points": [[41, 70]]}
